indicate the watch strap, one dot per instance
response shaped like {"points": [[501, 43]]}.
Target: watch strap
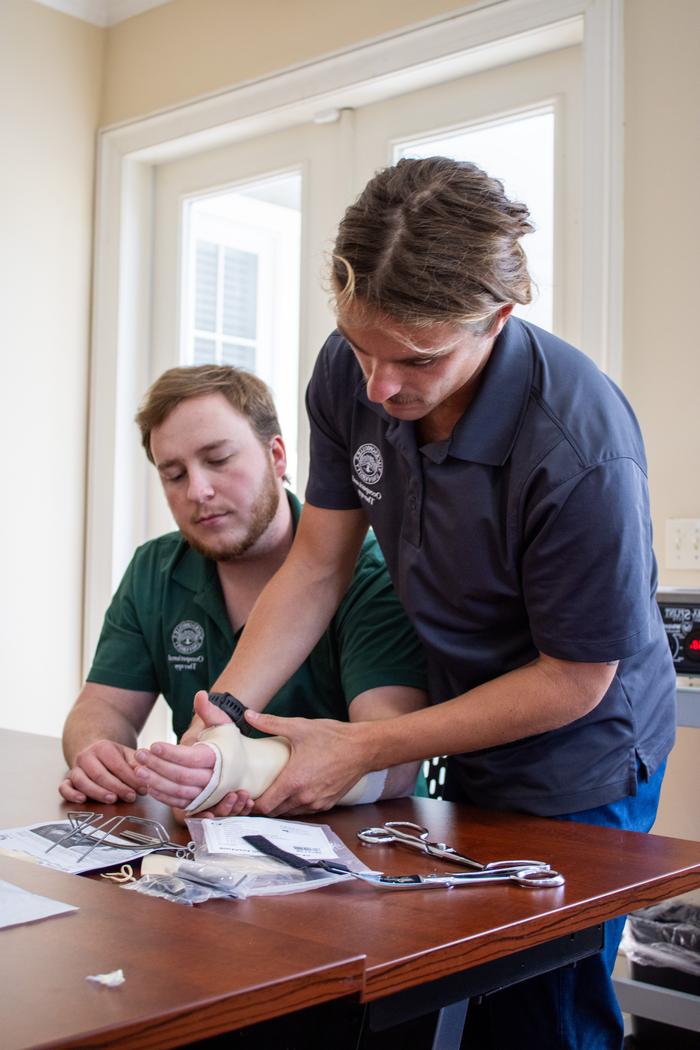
{"points": [[233, 707]]}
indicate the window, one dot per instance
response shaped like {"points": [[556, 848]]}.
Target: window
{"points": [[241, 287], [519, 151], [225, 306]]}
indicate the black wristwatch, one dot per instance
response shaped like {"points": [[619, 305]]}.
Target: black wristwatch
{"points": [[231, 706]]}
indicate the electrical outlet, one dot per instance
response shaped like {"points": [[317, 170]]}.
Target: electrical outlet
{"points": [[683, 543]]}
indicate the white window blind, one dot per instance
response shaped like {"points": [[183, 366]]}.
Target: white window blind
{"points": [[225, 306]]}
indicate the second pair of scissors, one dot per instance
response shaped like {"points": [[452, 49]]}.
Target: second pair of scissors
{"points": [[415, 836]]}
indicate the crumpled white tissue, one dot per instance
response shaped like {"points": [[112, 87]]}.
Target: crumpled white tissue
{"points": [[111, 980]]}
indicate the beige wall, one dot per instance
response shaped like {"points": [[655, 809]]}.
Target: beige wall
{"points": [[50, 80], [662, 268], [662, 278], [194, 47]]}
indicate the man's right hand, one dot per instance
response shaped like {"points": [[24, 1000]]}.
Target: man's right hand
{"points": [[176, 773], [103, 771]]}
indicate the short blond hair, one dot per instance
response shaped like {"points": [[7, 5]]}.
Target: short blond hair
{"points": [[244, 392]]}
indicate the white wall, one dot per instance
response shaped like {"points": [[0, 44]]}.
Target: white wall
{"points": [[50, 86], [662, 277]]}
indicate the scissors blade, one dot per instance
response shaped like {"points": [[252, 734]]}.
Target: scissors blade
{"points": [[448, 853], [445, 852]]}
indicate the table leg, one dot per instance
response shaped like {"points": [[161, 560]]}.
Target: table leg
{"points": [[455, 990], [450, 1025]]}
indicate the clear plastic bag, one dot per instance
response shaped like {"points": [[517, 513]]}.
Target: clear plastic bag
{"points": [[263, 876], [666, 934], [171, 888], [187, 881]]}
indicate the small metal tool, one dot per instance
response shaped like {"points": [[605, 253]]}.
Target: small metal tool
{"points": [[116, 833], [415, 836]]}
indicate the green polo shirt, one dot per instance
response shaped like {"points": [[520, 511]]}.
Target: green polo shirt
{"points": [[167, 631]]}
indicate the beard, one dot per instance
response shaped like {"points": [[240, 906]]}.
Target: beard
{"points": [[262, 513]]}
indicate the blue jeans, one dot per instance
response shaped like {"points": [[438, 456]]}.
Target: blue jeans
{"points": [[574, 1008]]}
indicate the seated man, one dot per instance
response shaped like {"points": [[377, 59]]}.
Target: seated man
{"points": [[213, 435]]}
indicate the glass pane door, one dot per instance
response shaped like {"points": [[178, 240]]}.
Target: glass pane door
{"points": [[241, 239], [242, 272], [519, 151]]}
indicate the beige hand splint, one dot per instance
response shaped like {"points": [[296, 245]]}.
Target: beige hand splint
{"points": [[242, 763]]}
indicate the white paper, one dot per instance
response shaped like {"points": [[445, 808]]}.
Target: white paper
{"points": [[34, 841], [305, 840], [18, 905]]}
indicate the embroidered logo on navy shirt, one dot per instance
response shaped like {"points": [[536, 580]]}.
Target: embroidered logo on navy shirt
{"points": [[369, 467], [188, 637], [369, 464]]}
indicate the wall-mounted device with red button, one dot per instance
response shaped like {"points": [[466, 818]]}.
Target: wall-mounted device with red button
{"points": [[680, 611]]}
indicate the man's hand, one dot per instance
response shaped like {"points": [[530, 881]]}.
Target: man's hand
{"points": [[99, 740], [176, 773], [327, 759], [103, 771]]}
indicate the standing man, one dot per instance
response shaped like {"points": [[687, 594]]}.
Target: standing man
{"points": [[213, 435], [505, 478]]}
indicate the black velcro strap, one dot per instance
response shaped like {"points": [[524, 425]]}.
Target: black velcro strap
{"points": [[263, 845]]}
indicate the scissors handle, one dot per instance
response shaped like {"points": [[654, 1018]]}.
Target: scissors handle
{"points": [[406, 833], [539, 878], [515, 865], [529, 878], [396, 831]]}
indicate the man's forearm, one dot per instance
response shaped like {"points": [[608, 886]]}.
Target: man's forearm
{"points": [[94, 718], [82, 729], [538, 698]]}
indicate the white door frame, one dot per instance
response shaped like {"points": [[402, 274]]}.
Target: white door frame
{"points": [[485, 35]]}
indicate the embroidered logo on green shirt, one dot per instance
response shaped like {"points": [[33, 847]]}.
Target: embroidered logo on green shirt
{"points": [[188, 637]]}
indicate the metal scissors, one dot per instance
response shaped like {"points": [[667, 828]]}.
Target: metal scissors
{"points": [[415, 836], [529, 878]]}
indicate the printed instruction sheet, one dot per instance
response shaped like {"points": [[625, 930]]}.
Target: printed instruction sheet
{"points": [[34, 843]]}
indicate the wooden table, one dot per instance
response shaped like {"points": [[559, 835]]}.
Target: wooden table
{"points": [[193, 972]]}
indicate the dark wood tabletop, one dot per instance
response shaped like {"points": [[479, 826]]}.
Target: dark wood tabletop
{"points": [[191, 972], [197, 971]]}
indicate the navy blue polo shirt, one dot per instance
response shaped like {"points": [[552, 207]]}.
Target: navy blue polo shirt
{"points": [[527, 530]]}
